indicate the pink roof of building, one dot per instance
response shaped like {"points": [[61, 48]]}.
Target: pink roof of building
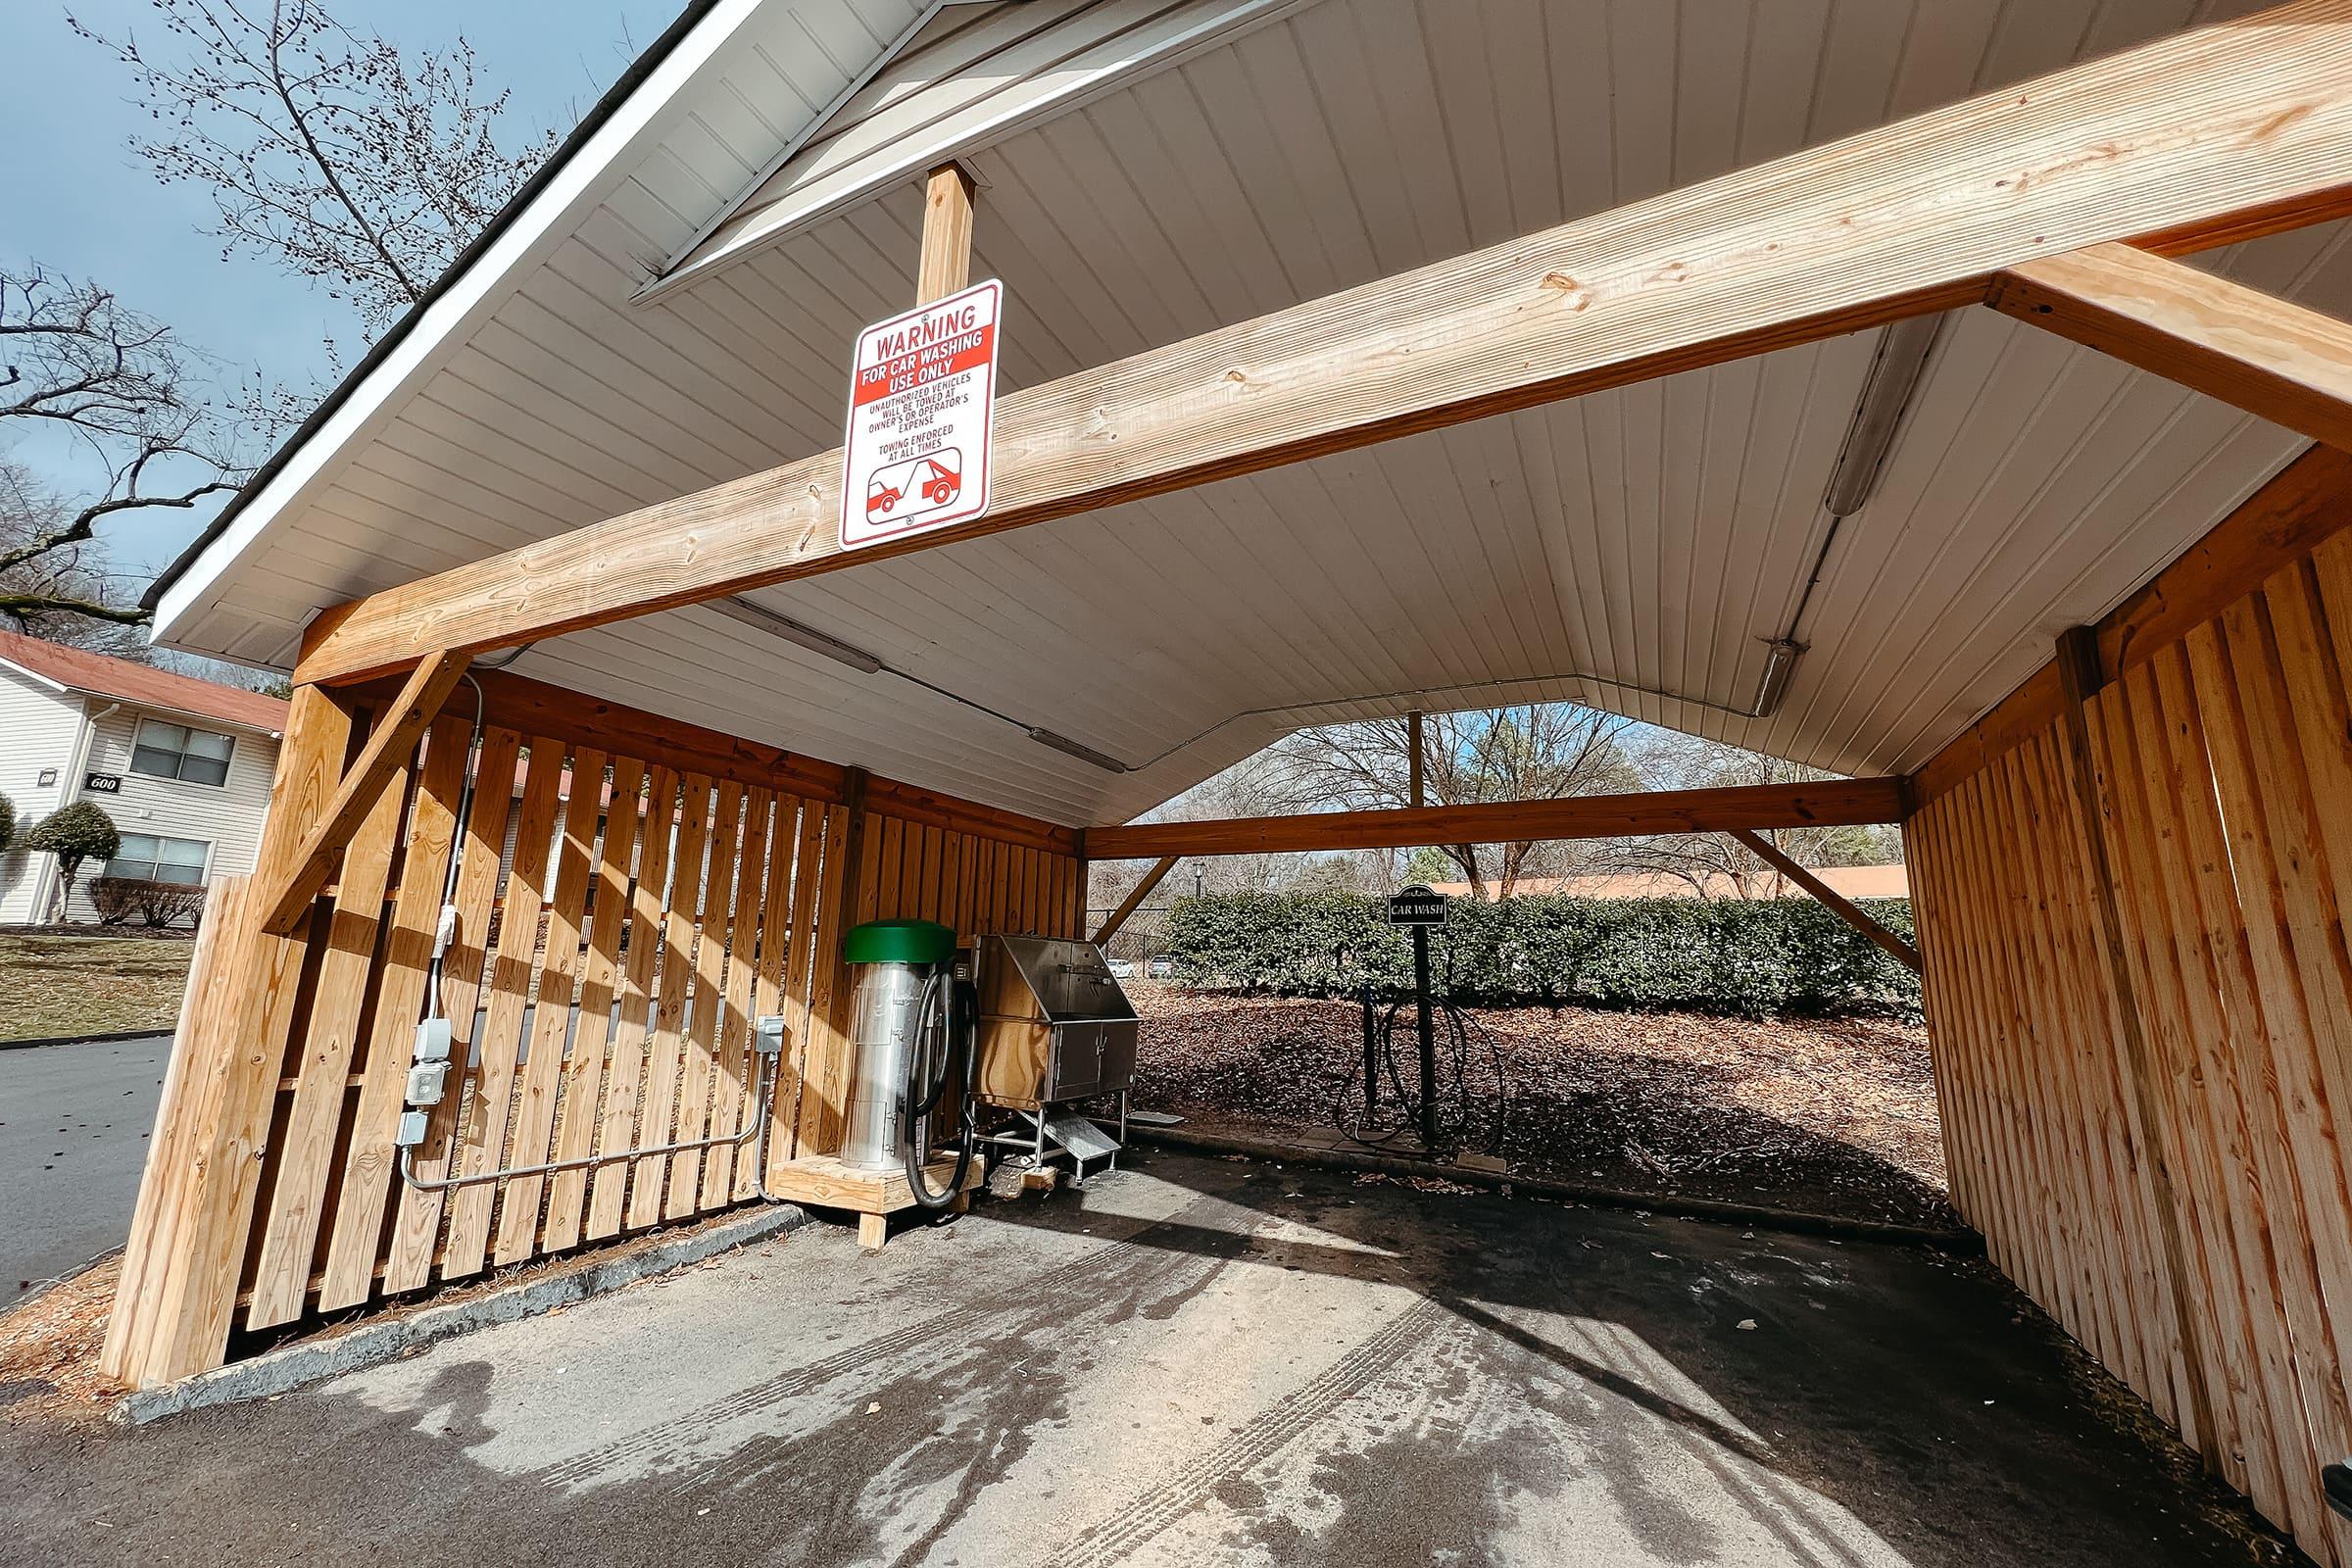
{"points": [[1850, 881], [78, 670]]}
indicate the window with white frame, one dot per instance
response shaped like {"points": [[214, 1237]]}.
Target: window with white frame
{"points": [[176, 751], [150, 858]]}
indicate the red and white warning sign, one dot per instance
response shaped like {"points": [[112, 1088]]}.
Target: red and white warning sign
{"points": [[922, 396]]}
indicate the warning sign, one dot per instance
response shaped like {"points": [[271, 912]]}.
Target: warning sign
{"points": [[922, 394]]}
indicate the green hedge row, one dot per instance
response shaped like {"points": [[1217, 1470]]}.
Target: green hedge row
{"points": [[1758, 958]]}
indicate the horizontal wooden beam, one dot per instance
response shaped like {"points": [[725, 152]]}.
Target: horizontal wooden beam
{"points": [[1833, 802], [1837, 902], [2251, 350], [535, 708], [2201, 136], [389, 746], [2307, 501]]}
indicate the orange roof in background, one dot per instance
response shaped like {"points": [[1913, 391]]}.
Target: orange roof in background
{"points": [[149, 687], [1850, 881]]}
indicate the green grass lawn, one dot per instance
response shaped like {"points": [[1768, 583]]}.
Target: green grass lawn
{"points": [[89, 985]]}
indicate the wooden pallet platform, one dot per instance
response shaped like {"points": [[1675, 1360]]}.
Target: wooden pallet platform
{"points": [[872, 1195]]}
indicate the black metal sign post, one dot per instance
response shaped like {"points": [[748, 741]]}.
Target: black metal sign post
{"points": [[1421, 907], [1429, 1042]]}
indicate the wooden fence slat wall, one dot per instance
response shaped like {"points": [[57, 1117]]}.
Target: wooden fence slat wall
{"points": [[2220, 786], [602, 986]]}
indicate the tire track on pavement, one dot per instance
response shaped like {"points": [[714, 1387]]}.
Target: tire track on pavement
{"points": [[1040, 1299], [1136, 1524]]}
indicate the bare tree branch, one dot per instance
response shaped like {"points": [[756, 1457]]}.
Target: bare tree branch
{"points": [[72, 356], [327, 150], [1713, 863], [1542, 751], [25, 608]]}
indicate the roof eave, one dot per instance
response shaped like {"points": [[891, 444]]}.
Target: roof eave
{"points": [[384, 348]]}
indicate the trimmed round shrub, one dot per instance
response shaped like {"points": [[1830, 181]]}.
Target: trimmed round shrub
{"points": [[74, 834]]}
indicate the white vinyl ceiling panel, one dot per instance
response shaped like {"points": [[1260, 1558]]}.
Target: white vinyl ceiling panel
{"points": [[1632, 548]]}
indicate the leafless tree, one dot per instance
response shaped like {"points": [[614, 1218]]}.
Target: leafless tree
{"points": [[1249, 788], [1541, 752], [328, 151], [77, 363], [1710, 862]]}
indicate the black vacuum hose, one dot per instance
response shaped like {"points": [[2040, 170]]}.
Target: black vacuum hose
{"points": [[954, 1008]]}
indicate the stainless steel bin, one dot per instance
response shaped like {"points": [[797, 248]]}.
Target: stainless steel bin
{"points": [[1055, 1025]]}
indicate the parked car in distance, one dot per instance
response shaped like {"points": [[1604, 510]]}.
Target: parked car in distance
{"points": [[1162, 967], [1122, 968]]}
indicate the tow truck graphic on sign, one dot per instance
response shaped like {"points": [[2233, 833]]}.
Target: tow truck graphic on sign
{"points": [[904, 492], [922, 396]]}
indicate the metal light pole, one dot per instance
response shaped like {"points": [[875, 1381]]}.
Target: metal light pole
{"points": [[1428, 1035]]}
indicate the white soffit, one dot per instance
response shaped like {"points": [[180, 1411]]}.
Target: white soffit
{"points": [[962, 85]]}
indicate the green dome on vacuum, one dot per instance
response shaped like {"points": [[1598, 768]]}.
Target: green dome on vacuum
{"points": [[899, 942]]}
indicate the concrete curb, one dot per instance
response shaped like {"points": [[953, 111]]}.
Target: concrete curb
{"points": [[1837, 1227], [84, 1040], [369, 1344]]}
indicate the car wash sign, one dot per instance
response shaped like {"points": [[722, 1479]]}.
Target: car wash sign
{"points": [[1418, 904], [922, 397]]}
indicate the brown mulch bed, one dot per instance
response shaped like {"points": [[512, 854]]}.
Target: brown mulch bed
{"points": [[1828, 1116], [49, 1349]]}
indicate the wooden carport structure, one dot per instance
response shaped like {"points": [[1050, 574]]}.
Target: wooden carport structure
{"points": [[2130, 870]]}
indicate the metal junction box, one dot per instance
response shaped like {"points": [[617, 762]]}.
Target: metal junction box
{"points": [[1053, 1023]]}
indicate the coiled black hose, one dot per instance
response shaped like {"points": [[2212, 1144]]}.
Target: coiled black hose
{"points": [[1356, 1114], [946, 1028]]}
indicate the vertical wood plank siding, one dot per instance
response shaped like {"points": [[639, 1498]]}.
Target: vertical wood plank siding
{"points": [[602, 988], [2222, 791]]}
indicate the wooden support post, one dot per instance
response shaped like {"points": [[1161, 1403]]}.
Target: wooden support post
{"points": [[2255, 352], [1129, 905], [1416, 787], [946, 264], [1895, 947], [2080, 679], [177, 1301], [287, 893], [155, 1257], [826, 1060], [853, 781]]}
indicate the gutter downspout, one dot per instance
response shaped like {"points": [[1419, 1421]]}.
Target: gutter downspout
{"points": [[73, 780]]}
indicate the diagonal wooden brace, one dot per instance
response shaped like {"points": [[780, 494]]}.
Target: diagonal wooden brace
{"points": [[1134, 899], [390, 744], [1903, 952], [2287, 363]]}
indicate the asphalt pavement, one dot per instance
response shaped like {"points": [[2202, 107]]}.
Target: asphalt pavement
{"points": [[74, 1121], [1200, 1360]]}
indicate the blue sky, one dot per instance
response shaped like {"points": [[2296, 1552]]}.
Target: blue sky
{"points": [[74, 198]]}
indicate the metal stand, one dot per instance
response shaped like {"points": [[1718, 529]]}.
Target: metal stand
{"points": [[1043, 1134], [1429, 1041], [1415, 768]]}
